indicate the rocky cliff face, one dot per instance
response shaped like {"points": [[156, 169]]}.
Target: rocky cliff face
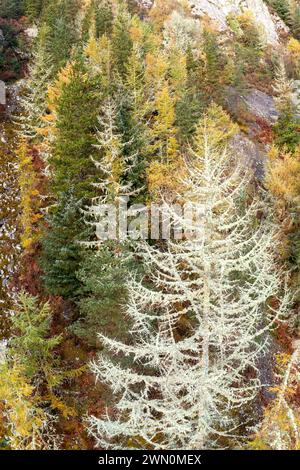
{"points": [[218, 10]]}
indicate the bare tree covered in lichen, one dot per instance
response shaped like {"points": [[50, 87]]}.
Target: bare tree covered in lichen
{"points": [[180, 392]]}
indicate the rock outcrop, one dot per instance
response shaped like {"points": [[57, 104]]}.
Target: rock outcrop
{"points": [[256, 104], [262, 106], [259, 114], [253, 154], [218, 11]]}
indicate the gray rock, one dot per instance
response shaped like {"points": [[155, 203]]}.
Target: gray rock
{"points": [[252, 154], [261, 105], [218, 10], [255, 103]]}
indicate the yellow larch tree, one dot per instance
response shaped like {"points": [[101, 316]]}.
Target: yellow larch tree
{"points": [[156, 69], [47, 131], [29, 194], [222, 129], [283, 181], [164, 168], [283, 174], [25, 425], [293, 48], [99, 57], [178, 72], [162, 9]]}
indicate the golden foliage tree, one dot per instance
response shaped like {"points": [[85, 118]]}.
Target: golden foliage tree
{"points": [[220, 126], [25, 425], [162, 9], [30, 202], [164, 148], [283, 174]]}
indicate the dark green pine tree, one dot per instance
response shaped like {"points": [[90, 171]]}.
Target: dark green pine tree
{"points": [[74, 172], [282, 8], [190, 106], [60, 19], [62, 251], [188, 111], [103, 276], [104, 17], [102, 14], [77, 110], [133, 133], [121, 39], [287, 129], [212, 71]]}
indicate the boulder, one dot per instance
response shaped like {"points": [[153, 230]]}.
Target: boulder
{"points": [[251, 106], [252, 154], [261, 105]]}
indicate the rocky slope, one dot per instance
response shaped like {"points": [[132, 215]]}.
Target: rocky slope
{"points": [[218, 11]]}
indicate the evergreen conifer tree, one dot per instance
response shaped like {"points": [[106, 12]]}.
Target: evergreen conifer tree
{"points": [[121, 39], [74, 139], [287, 127], [62, 253]]}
